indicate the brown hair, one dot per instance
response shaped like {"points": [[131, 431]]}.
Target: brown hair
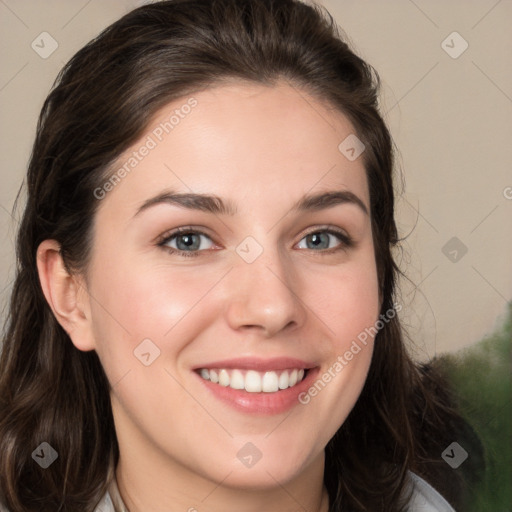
{"points": [[100, 104]]}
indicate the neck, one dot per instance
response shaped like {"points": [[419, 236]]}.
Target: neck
{"points": [[148, 486]]}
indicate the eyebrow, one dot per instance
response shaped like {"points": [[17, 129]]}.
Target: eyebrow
{"points": [[322, 200], [214, 204]]}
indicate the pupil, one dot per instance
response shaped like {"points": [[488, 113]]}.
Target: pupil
{"points": [[188, 241], [317, 240]]}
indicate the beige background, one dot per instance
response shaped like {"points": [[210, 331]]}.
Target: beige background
{"points": [[450, 117]]}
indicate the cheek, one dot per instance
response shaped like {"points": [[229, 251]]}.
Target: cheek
{"points": [[357, 313], [134, 302], [348, 304], [348, 301], [145, 301]]}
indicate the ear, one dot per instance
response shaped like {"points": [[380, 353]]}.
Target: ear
{"points": [[66, 295]]}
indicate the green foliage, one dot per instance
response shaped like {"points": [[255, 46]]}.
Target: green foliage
{"points": [[481, 378]]}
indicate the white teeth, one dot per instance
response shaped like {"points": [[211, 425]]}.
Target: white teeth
{"points": [[253, 381], [237, 380], [224, 378], [284, 380], [270, 382]]}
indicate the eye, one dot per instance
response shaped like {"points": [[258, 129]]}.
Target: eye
{"points": [[187, 242], [322, 239]]}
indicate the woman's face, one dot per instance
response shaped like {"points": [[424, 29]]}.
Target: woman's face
{"points": [[204, 334]]}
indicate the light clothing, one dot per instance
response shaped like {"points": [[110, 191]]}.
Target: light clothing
{"points": [[424, 498]]}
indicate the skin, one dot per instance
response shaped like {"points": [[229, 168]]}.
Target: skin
{"points": [[260, 148]]}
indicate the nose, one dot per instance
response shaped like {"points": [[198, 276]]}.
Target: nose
{"points": [[264, 296]]}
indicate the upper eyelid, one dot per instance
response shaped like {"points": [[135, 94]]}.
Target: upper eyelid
{"points": [[181, 230]]}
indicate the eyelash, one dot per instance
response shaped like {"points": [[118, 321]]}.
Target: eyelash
{"points": [[346, 241], [167, 237]]}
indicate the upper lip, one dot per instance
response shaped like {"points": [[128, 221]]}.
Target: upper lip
{"points": [[258, 364]]}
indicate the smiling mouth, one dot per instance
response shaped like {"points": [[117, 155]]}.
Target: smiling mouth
{"points": [[254, 381]]}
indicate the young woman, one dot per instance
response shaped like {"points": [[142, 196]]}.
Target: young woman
{"points": [[204, 314]]}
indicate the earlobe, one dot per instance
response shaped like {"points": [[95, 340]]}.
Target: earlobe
{"points": [[65, 295]]}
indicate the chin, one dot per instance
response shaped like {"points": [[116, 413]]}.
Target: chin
{"points": [[262, 478], [268, 468]]}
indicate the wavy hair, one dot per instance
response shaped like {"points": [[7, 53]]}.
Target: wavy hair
{"points": [[101, 102]]}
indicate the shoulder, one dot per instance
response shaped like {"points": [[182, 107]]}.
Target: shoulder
{"points": [[105, 505], [112, 501], [424, 498]]}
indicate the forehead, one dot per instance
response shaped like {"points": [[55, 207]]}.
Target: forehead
{"points": [[256, 145]]}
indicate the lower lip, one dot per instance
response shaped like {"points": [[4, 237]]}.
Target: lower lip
{"points": [[261, 403]]}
